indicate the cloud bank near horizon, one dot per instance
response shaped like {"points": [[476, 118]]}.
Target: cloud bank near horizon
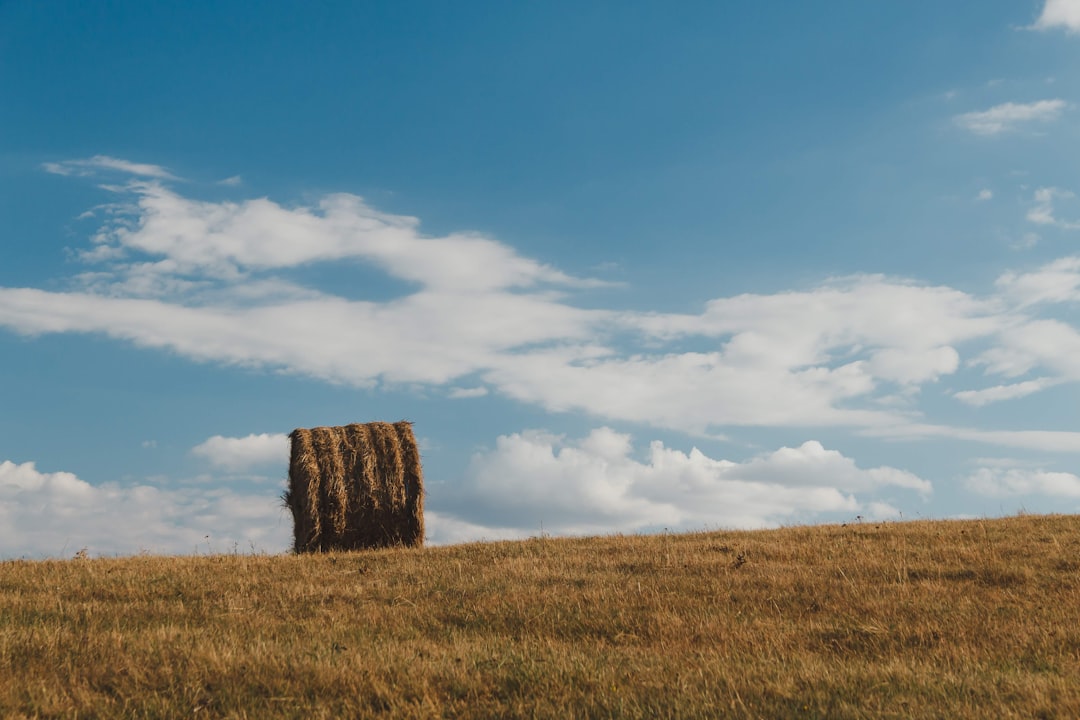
{"points": [[56, 514], [527, 483]]}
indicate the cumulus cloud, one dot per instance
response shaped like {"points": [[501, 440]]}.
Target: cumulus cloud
{"points": [[1011, 482], [1059, 14], [985, 194], [596, 485], [244, 453], [54, 514], [530, 482], [1009, 116]]}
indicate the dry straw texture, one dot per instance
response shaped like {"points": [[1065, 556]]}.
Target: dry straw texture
{"points": [[960, 619], [355, 487]]}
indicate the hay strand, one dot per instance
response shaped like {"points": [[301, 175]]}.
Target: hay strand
{"points": [[355, 486], [414, 477]]}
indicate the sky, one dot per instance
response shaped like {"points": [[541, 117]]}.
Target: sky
{"points": [[627, 267]]}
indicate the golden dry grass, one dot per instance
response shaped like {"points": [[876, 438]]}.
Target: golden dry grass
{"points": [[904, 620]]}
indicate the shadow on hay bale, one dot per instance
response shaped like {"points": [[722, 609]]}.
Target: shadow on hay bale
{"points": [[355, 487]]}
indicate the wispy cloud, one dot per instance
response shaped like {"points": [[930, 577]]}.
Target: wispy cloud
{"points": [[1059, 14], [228, 241], [1046, 345], [1042, 212], [1009, 116], [1055, 282], [1027, 241], [984, 195], [978, 398], [1059, 441], [473, 392], [93, 165]]}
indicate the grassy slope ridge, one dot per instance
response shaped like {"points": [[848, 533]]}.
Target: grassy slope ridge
{"points": [[913, 619]]}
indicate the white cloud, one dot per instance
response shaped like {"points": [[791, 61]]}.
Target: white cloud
{"points": [[90, 166], [1028, 241], [234, 181], [57, 514], [1050, 345], [1042, 212], [907, 366], [530, 483], [244, 453], [1008, 116], [802, 328], [1055, 282], [985, 194], [1063, 441], [786, 359], [1010, 482], [595, 485], [215, 282], [1059, 13], [1048, 440], [425, 338], [227, 240], [791, 359], [440, 529], [978, 398], [473, 392], [687, 391], [1001, 462]]}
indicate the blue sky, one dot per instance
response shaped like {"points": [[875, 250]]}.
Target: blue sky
{"points": [[627, 269]]}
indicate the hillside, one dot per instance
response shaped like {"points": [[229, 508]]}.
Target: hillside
{"points": [[913, 619]]}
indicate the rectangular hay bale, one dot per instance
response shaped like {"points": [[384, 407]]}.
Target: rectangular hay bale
{"points": [[355, 487]]}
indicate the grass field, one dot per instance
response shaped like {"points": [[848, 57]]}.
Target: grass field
{"points": [[914, 619]]}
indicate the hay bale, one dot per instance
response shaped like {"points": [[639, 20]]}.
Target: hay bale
{"points": [[354, 487]]}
